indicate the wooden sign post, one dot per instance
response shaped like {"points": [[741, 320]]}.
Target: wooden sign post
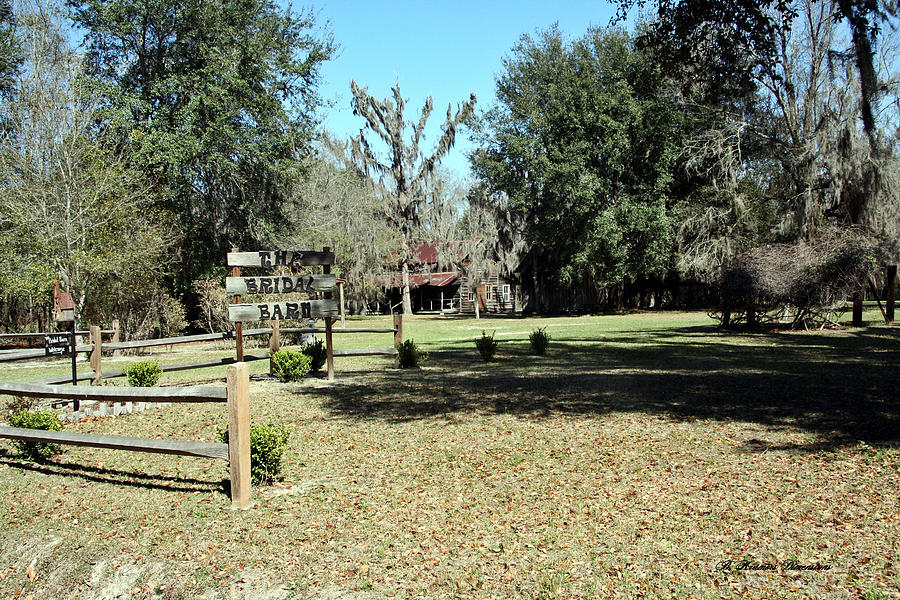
{"points": [[238, 286], [238, 326], [64, 311]]}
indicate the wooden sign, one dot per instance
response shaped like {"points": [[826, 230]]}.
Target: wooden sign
{"points": [[239, 286], [279, 311], [56, 344], [279, 258]]}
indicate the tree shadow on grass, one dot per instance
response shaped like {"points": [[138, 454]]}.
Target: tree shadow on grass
{"points": [[841, 387], [118, 477]]}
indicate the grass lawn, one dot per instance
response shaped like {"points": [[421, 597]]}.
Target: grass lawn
{"points": [[645, 456]]}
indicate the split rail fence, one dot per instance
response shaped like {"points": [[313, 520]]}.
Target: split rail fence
{"points": [[326, 308], [95, 349], [236, 395]]}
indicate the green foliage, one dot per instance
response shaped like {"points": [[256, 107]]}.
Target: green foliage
{"points": [[290, 365], [487, 346], [143, 373], [409, 355], [72, 208], [317, 353], [215, 102], [585, 146], [539, 339], [47, 420], [267, 445]]}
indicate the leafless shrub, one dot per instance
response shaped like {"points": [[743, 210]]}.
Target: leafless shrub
{"points": [[801, 284], [213, 304]]}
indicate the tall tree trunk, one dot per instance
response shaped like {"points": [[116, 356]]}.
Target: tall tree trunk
{"points": [[859, 17], [858, 298], [407, 301], [891, 296], [537, 283]]}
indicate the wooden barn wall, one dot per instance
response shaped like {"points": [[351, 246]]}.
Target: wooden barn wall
{"points": [[494, 303]]}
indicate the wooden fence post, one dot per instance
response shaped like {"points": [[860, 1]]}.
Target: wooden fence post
{"points": [[329, 347], [116, 337], [95, 356], [274, 341], [238, 383], [329, 324], [398, 335], [341, 304]]}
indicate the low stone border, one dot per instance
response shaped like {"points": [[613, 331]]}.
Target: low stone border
{"points": [[107, 409]]}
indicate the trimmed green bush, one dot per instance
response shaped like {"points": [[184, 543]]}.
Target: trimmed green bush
{"points": [[290, 365], [144, 373], [487, 345], [318, 354], [409, 355], [267, 445], [539, 339], [47, 420]]}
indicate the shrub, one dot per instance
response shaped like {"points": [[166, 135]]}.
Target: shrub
{"points": [[486, 345], [47, 420], [802, 284], [213, 303], [409, 355], [267, 445], [539, 339], [318, 354], [143, 373], [290, 365]]}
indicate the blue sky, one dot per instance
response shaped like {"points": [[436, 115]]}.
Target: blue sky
{"points": [[443, 50]]}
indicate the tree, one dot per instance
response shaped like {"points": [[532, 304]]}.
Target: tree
{"points": [[10, 52], [736, 43], [803, 138], [583, 146], [72, 210], [332, 207], [400, 173], [214, 102], [790, 157]]}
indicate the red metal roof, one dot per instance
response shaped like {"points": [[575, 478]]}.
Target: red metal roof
{"points": [[423, 253], [426, 253], [62, 300], [419, 279]]}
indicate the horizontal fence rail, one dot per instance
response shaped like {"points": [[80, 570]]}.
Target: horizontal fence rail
{"points": [[197, 393], [16, 355], [112, 374], [97, 374], [115, 442], [13, 336], [366, 352]]}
